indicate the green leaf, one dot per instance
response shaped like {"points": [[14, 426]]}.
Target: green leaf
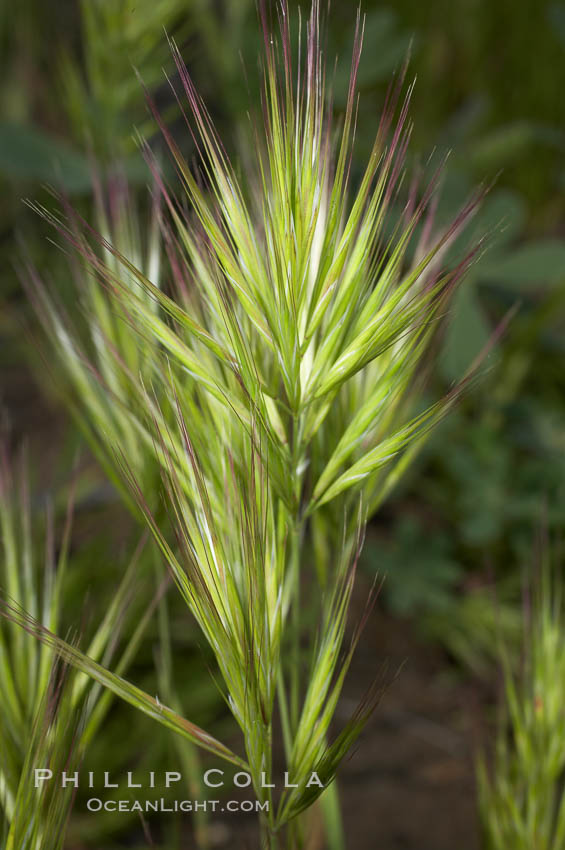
{"points": [[556, 18], [121, 687], [420, 572], [27, 153], [503, 214], [467, 334], [534, 265], [509, 143], [385, 48]]}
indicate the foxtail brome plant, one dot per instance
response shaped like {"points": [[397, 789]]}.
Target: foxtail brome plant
{"points": [[47, 715], [521, 795], [262, 361]]}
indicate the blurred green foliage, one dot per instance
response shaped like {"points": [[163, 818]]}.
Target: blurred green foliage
{"points": [[488, 87]]}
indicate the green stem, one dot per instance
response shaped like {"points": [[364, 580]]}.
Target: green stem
{"points": [[285, 720], [269, 837], [331, 812], [295, 539], [187, 751], [294, 567]]}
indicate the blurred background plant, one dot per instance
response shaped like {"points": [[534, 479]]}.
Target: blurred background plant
{"points": [[490, 89], [522, 802], [50, 716]]}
